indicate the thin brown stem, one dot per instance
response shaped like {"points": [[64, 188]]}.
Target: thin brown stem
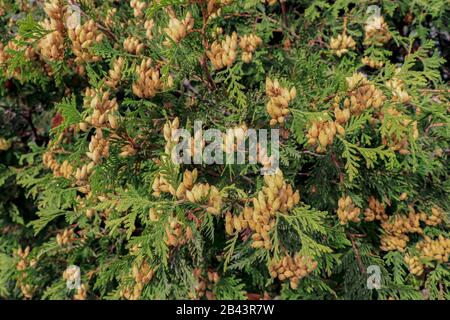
{"points": [[433, 125], [312, 153], [284, 13], [361, 266], [204, 59], [435, 90], [344, 31]]}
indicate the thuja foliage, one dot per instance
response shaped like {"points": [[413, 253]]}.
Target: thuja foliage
{"points": [[91, 91]]}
